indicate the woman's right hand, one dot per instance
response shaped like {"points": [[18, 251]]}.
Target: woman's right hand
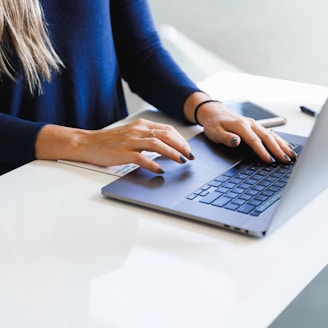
{"points": [[114, 146]]}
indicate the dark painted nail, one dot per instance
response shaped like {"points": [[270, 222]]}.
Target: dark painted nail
{"points": [[272, 159], [161, 171], [234, 141], [287, 157], [183, 159], [191, 155], [294, 153]]}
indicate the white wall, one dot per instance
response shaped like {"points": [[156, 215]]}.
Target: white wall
{"points": [[280, 38]]}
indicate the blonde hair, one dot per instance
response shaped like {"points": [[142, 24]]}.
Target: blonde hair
{"points": [[23, 32]]}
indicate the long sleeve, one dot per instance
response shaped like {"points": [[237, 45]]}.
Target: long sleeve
{"points": [[144, 63], [17, 139]]}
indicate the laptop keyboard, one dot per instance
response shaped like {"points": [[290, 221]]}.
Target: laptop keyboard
{"points": [[247, 187]]}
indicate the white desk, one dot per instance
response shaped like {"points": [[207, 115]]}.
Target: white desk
{"points": [[70, 258]]}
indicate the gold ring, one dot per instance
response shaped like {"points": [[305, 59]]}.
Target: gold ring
{"points": [[151, 134]]}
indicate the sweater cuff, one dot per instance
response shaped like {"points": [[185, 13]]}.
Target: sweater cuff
{"points": [[17, 139]]}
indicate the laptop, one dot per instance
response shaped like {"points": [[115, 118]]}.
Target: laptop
{"points": [[230, 187]]}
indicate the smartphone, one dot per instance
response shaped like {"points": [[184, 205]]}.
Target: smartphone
{"points": [[264, 116]]}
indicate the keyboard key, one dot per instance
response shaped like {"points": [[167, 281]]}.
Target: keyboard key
{"points": [[269, 202], [273, 188], [255, 202], [231, 207], [264, 183], [245, 197], [210, 197], [246, 208], [283, 170], [251, 192], [206, 187], [261, 198], [198, 192], [238, 190], [192, 196], [258, 188], [263, 173], [269, 168], [232, 172], [229, 185], [222, 179], [242, 176], [279, 184], [222, 190], [251, 181], [239, 201], [276, 175], [267, 193], [235, 181], [284, 179], [255, 213], [248, 172], [269, 179], [215, 183], [244, 185], [222, 201], [231, 194]]}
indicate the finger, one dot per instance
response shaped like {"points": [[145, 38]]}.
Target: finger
{"points": [[158, 146], [228, 138], [219, 134], [278, 147], [243, 130], [255, 142], [146, 163], [285, 146], [169, 132], [172, 138]]}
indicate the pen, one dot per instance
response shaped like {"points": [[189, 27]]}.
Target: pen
{"points": [[308, 111]]}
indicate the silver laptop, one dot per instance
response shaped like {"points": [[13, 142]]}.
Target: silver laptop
{"points": [[232, 188]]}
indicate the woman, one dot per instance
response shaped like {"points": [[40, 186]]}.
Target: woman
{"points": [[61, 65]]}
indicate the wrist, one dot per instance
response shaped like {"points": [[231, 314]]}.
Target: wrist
{"points": [[57, 142], [199, 106], [191, 102]]}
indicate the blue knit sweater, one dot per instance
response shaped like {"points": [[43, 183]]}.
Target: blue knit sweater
{"points": [[100, 42]]}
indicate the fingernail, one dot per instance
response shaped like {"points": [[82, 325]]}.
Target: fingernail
{"points": [[287, 157], [161, 171], [191, 155], [294, 153], [183, 159], [234, 141], [272, 159]]}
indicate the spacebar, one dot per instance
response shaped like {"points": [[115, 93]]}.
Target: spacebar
{"points": [[269, 202]]}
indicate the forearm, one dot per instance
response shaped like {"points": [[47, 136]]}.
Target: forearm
{"points": [[148, 68]]}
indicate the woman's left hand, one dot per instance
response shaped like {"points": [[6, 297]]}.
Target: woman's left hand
{"points": [[225, 127]]}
